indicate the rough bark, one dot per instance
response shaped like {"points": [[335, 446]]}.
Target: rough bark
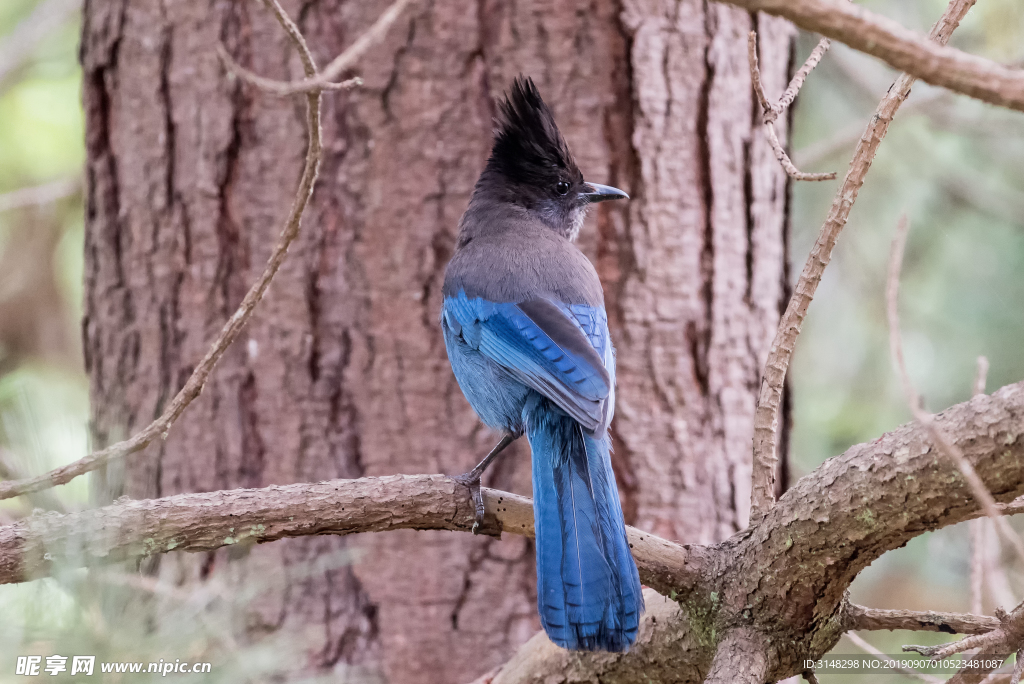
{"points": [[700, 270], [342, 373]]}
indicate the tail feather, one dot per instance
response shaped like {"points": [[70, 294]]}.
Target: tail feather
{"points": [[588, 590]]}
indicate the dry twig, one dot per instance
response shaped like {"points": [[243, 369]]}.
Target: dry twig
{"points": [[1008, 637], [312, 86], [863, 645], [38, 195], [194, 386], [18, 46], [324, 79], [874, 619], [11, 470], [769, 400], [770, 113], [977, 527], [938, 436]]}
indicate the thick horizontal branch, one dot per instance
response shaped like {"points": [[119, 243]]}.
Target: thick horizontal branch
{"points": [[859, 617], [901, 48], [48, 542]]}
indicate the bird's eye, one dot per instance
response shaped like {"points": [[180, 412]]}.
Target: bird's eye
{"points": [[562, 187]]}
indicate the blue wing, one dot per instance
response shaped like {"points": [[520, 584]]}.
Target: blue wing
{"points": [[562, 351]]}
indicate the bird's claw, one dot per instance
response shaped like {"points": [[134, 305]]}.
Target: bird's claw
{"points": [[472, 481]]}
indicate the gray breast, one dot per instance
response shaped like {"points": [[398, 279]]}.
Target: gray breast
{"points": [[523, 263]]}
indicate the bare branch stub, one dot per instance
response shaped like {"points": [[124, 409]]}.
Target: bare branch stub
{"points": [[939, 437], [769, 401], [234, 325], [770, 112]]}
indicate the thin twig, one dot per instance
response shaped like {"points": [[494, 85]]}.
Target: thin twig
{"points": [[926, 419], [818, 152], [977, 530], [996, 582], [863, 645], [324, 80], [977, 527], [269, 84], [770, 112], [769, 401], [980, 376], [800, 76], [17, 47], [38, 195], [1004, 639], [194, 386], [10, 470]]}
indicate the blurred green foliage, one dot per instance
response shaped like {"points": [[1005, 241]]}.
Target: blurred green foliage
{"points": [[952, 165]]}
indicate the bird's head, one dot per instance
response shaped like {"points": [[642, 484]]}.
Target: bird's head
{"points": [[531, 165]]}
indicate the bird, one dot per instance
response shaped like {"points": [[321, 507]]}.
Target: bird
{"points": [[526, 332]]}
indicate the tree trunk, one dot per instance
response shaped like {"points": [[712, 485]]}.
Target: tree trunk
{"points": [[342, 371]]}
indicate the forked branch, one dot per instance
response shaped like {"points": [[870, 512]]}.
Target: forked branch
{"points": [[770, 112]]}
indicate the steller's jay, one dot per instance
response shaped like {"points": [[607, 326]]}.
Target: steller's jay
{"points": [[527, 336]]}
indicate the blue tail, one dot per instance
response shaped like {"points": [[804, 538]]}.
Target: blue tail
{"points": [[588, 590]]}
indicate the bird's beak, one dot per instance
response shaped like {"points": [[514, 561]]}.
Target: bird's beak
{"points": [[599, 193]]}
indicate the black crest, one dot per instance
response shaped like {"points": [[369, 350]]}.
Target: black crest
{"points": [[528, 147]]}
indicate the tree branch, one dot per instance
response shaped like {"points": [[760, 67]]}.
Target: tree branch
{"points": [[1007, 637], [47, 542], [863, 645], [901, 48], [37, 195], [874, 619], [17, 47], [770, 113], [769, 400], [794, 565], [346, 60]]}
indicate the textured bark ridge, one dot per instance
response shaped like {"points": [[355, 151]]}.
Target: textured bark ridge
{"points": [[341, 372]]}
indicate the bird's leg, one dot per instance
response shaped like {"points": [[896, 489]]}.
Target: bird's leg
{"points": [[472, 478]]}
